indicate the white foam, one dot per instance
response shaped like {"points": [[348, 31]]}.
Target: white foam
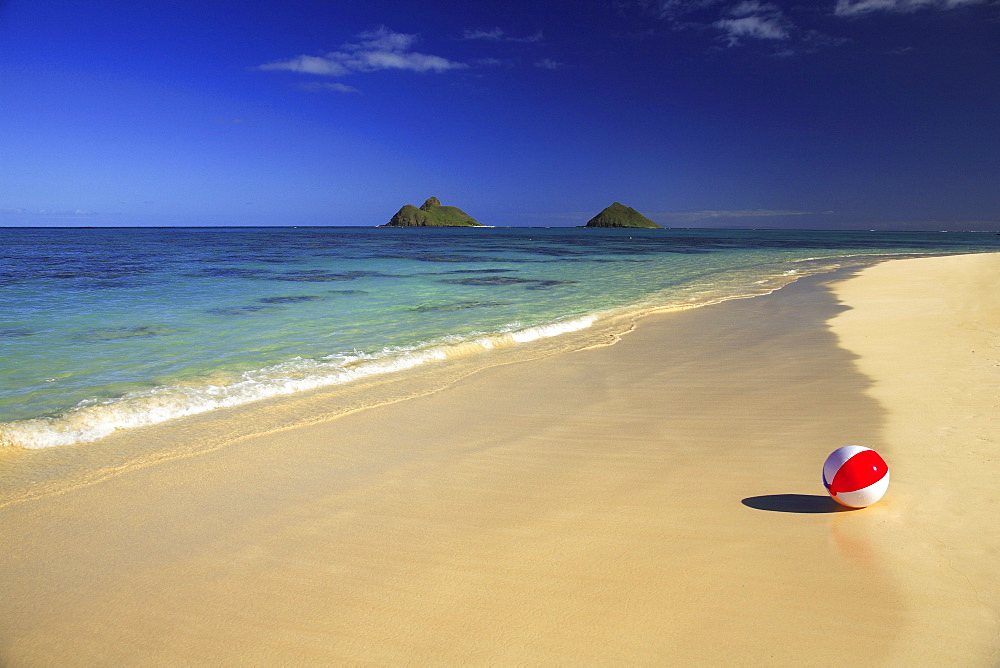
{"points": [[94, 419], [553, 329]]}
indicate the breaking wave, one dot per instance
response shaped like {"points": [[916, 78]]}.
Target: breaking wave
{"points": [[94, 419]]}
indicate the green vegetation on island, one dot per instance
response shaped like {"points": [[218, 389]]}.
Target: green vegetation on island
{"points": [[432, 214], [619, 215]]}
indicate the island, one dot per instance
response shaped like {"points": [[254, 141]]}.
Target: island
{"points": [[432, 214], [619, 215]]}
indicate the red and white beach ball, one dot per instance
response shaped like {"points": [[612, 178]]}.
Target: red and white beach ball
{"points": [[855, 476]]}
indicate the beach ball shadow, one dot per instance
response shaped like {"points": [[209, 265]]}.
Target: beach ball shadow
{"points": [[794, 503]]}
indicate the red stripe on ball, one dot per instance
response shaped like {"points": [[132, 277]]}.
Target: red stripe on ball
{"points": [[863, 469]]}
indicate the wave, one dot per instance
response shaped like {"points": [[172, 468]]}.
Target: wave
{"points": [[92, 419]]}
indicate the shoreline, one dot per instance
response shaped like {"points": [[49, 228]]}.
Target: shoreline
{"points": [[31, 473], [96, 419], [656, 498]]}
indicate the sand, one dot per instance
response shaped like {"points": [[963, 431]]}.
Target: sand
{"points": [[653, 501], [928, 333]]}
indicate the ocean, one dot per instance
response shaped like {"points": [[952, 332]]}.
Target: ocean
{"points": [[110, 329]]}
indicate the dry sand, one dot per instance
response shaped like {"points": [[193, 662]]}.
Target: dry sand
{"points": [[649, 502], [928, 333]]}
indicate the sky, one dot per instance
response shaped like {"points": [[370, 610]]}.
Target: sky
{"points": [[828, 114]]}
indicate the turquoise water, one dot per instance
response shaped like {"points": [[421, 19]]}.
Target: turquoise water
{"points": [[106, 329]]}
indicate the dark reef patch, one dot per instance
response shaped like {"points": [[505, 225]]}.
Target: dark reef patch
{"points": [[545, 285], [137, 332], [455, 306], [264, 304], [436, 257], [320, 276], [290, 299], [232, 272], [471, 271], [529, 283], [488, 280], [238, 310], [15, 333]]}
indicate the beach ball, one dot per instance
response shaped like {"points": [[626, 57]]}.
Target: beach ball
{"points": [[855, 476]]}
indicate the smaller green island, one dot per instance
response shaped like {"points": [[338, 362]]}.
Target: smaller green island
{"points": [[432, 214], [619, 215]]}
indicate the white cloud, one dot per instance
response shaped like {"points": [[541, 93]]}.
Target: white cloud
{"points": [[494, 35], [752, 19], [380, 49], [383, 39], [537, 36], [370, 61], [750, 26], [309, 65], [500, 35], [737, 22], [856, 7], [323, 85], [742, 22]]}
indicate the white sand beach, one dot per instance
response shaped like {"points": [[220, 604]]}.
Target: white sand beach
{"points": [[649, 502]]}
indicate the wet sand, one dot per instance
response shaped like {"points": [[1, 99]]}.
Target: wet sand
{"points": [[655, 500]]}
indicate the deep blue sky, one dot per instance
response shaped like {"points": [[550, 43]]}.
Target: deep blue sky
{"points": [[825, 114]]}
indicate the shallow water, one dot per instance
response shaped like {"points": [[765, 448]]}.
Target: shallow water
{"points": [[109, 329]]}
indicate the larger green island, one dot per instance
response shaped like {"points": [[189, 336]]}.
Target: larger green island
{"points": [[432, 214], [619, 215]]}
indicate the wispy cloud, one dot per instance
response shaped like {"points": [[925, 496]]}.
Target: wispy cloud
{"points": [[740, 23], [856, 7], [494, 35], [753, 20], [379, 49], [326, 65], [733, 23], [500, 35], [328, 86], [533, 38]]}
